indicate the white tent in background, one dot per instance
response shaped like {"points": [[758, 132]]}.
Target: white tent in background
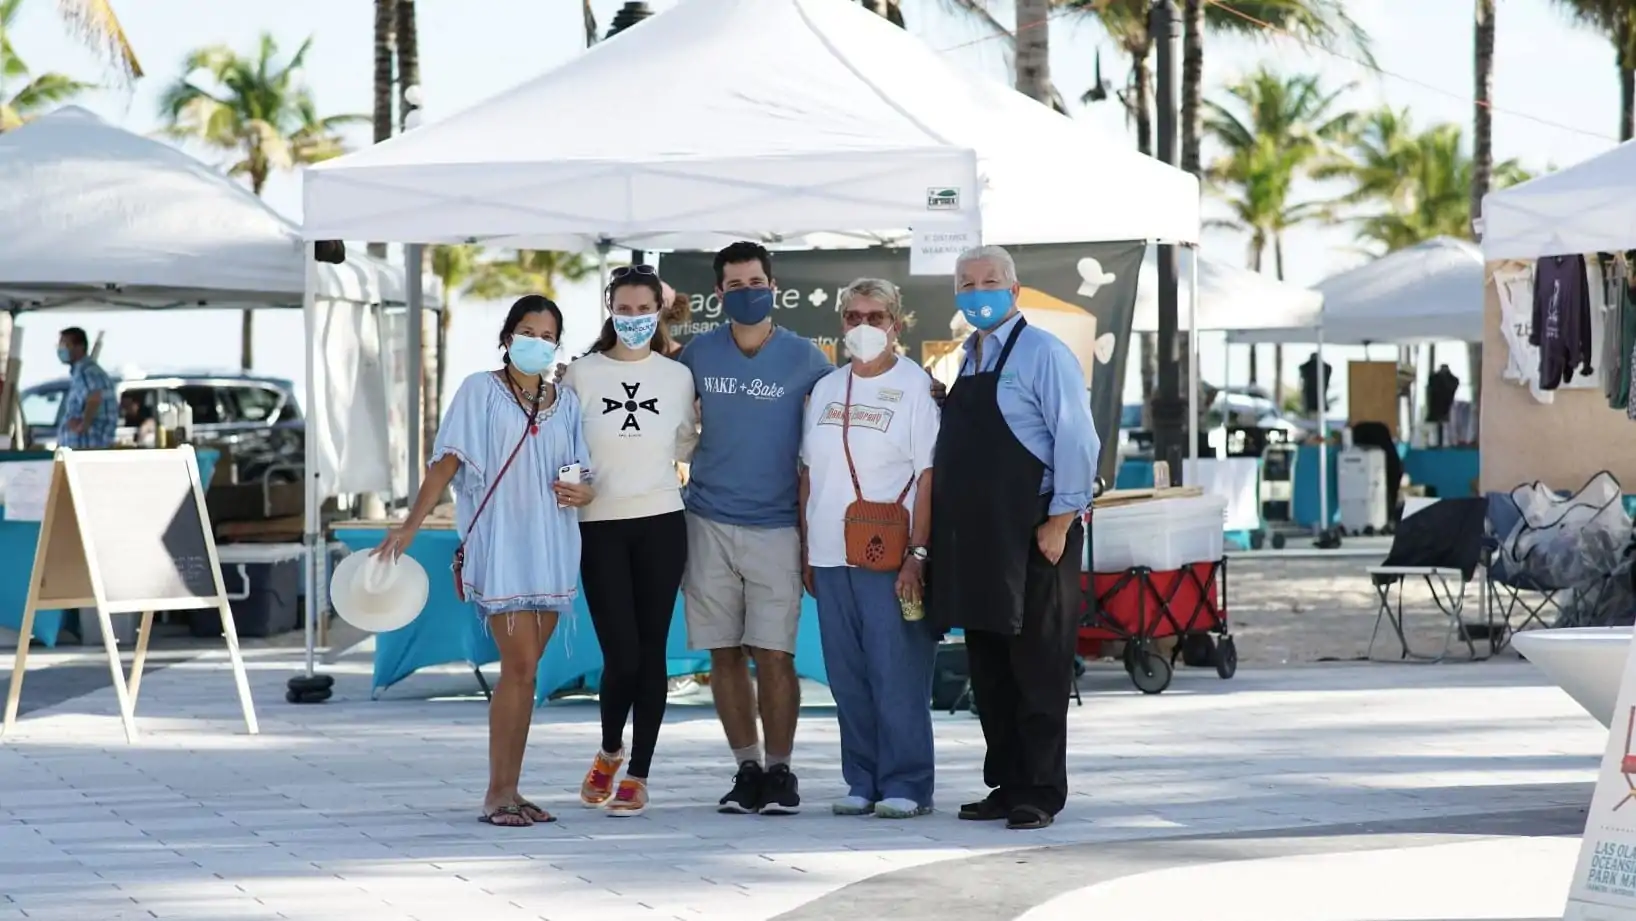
{"points": [[93, 216], [1589, 207], [1429, 292], [1230, 298], [754, 118]]}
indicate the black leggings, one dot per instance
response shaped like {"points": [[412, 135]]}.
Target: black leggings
{"points": [[632, 569]]}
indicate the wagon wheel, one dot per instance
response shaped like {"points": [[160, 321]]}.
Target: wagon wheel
{"points": [[1150, 672], [1197, 651], [1226, 657]]}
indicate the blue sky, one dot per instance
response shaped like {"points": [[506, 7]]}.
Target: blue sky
{"points": [[1556, 98]]}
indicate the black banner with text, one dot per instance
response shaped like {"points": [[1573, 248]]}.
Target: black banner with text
{"points": [[1083, 293]]}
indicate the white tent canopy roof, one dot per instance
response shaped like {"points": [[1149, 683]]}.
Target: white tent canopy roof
{"points": [[1230, 298], [1587, 208], [1429, 292], [92, 215], [757, 118]]}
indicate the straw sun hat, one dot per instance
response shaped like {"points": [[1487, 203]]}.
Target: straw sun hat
{"points": [[378, 595]]}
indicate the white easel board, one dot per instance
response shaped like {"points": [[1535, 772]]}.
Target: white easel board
{"points": [[126, 532]]}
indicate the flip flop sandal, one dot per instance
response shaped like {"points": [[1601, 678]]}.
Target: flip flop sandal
{"points": [[531, 811], [1028, 818], [517, 811]]}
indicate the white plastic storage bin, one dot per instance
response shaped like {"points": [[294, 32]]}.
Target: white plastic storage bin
{"points": [[1163, 534]]}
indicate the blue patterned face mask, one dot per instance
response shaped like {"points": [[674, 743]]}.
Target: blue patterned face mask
{"points": [[530, 355], [985, 309], [635, 332]]}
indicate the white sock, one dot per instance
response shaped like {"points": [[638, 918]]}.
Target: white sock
{"points": [[747, 753]]}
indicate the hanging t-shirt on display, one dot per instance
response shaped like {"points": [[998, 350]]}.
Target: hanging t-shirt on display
{"points": [[1561, 322]]}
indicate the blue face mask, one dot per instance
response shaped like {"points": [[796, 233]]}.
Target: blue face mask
{"points": [[748, 306], [985, 309], [63, 356], [530, 355], [636, 331]]}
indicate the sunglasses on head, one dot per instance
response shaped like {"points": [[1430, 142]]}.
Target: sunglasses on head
{"points": [[639, 270]]}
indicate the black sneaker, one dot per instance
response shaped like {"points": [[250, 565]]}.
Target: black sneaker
{"points": [[780, 794], [745, 796]]}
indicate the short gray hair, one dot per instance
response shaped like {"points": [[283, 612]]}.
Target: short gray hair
{"points": [[876, 289], [994, 254]]}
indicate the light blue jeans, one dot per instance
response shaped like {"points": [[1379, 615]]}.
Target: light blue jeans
{"points": [[880, 673]]}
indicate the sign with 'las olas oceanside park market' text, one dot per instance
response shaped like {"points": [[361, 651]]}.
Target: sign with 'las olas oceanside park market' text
{"points": [[1604, 883]]}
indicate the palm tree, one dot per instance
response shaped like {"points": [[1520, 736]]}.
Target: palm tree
{"points": [[1414, 185], [1319, 22], [95, 23], [1273, 131], [1033, 40], [1482, 159], [1615, 19], [257, 109], [386, 23], [590, 25], [37, 92]]}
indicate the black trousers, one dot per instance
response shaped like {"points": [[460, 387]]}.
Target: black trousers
{"points": [[1021, 684], [632, 569]]}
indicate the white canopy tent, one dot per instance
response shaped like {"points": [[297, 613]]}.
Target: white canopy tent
{"points": [[758, 118], [1230, 299], [96, 217], [1429, 292], [1589, 207]]}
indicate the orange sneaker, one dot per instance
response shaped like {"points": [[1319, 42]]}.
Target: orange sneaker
{"points": [[632, 798], [599, 780]]}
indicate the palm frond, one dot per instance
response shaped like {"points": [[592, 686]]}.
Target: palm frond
{"points": [[95, 23]]}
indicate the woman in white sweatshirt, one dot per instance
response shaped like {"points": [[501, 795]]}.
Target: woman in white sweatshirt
{"points": [[640, 422]]}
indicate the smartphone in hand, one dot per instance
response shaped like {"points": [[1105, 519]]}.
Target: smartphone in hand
{"points": [[568, 473]]}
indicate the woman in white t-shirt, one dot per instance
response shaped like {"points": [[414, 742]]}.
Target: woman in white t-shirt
{"points": [[640, 422], [879, 661]]}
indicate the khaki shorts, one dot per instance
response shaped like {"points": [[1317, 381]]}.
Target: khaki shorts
{"points": [[742, 586]]}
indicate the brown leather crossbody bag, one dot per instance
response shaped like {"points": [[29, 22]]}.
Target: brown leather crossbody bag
{"points": [[877, 533]]}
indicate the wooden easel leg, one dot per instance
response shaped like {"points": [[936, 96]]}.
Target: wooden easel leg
{"points": [[18, 666], [230, 632], [127, 711], [135, 682]]}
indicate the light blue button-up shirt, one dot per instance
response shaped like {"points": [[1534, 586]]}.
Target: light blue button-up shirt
{"points": [[1042, 396]]}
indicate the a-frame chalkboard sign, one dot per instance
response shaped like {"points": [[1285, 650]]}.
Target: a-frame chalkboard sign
{"points": [[126, 532]]}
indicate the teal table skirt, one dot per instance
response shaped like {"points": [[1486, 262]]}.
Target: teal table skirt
{"points": [[449, 631], [18, 540]]}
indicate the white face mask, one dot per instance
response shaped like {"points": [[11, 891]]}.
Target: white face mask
{"points": [[865, 342]]}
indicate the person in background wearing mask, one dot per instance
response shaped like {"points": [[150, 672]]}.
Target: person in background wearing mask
{"points": [[1016, 463], [506, 437], [639, 423], [870, 430], [744, 545], [90, 413]]}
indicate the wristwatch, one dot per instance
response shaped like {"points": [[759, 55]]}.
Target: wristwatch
{"points": [[919, 553]]}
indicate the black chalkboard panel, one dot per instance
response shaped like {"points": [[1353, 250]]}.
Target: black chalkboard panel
{"points": [[141, 520]]}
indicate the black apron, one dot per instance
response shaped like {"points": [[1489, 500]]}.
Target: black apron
{"points": [[986, 505]]}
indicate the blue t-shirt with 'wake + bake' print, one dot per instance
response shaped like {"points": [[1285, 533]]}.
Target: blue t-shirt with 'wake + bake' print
{"points": [[745, 468]]}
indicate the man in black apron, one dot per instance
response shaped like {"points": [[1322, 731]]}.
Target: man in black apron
{"points": [[1012, 474]]}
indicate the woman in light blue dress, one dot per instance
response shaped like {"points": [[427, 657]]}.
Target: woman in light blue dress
{"points": [[506, 438]]}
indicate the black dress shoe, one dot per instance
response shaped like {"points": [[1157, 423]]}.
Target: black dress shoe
{"points": [[984, 810]]}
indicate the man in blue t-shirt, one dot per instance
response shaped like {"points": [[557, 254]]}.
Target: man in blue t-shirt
{"points": [[744, 543]]}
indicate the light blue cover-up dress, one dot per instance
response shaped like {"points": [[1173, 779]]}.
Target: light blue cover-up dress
{"points": [[523, 555]]}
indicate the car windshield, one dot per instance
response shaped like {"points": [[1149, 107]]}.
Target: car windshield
{"points": [[40, 407]]}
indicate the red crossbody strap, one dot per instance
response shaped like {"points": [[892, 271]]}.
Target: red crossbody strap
{"points": [[528, 430]]}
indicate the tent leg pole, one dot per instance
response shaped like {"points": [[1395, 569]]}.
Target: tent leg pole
{"points": [[1323, 444], [412, 261], [1193, 359], [311, 687]]}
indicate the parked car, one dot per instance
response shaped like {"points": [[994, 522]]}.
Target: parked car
{"points": [[257, 417]]}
